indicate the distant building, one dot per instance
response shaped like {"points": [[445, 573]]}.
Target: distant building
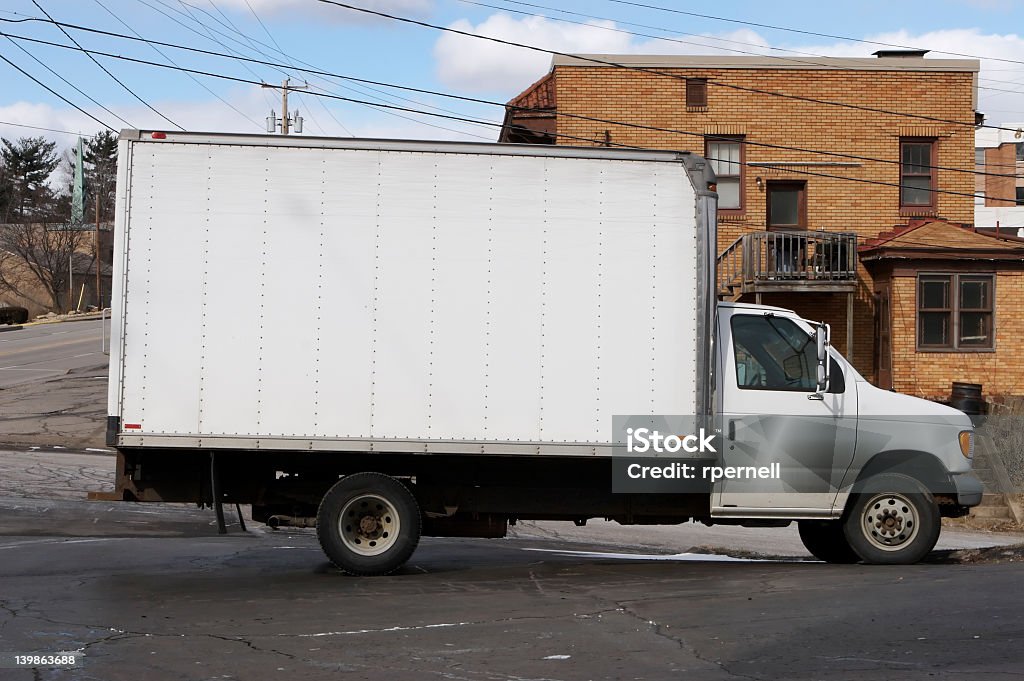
{"points": [[999, 159]]}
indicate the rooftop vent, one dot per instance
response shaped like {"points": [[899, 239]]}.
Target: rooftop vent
{"points": [[902, 54]]}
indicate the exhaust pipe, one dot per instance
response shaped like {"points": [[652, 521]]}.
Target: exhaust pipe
{"points": [[276, 521]]}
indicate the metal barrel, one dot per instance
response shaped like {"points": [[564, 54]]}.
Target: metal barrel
{"points": [[967, 398]]}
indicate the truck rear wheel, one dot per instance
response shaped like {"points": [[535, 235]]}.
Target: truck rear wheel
{"points": [[826, 541], [368, 524], [893, 520]]}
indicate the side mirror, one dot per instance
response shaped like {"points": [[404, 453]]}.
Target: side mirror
{"points": [[822, 336]]}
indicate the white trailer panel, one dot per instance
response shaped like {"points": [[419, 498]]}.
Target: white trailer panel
{"points": [[407, 296]]}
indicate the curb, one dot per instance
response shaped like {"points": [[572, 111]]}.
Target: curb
{"points": [[10, 328], [58, 320], [85, 449]]}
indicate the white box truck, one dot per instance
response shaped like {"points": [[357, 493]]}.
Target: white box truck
{"points": [[389, 339]]}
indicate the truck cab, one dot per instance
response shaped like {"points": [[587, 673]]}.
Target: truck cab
{"points": [[871, 470]]}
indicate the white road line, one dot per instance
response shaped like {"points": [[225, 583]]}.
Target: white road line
{"points": [[699, 557], [58, 541]]}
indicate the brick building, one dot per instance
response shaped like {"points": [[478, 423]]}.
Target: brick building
{"points": [[896, 128], [999, 159]]}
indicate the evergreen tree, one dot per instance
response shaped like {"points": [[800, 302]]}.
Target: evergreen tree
{"points": [[100, 155], [28, 164]]}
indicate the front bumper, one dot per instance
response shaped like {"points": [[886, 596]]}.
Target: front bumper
{"points": [[968, 489]]}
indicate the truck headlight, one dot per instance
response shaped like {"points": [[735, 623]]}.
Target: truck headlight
{"points": [[967, 443]]}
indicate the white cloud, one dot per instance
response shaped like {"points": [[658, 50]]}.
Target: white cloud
{"points": [[304, 9], [475, 64], [1001, 92], [483, 65]]}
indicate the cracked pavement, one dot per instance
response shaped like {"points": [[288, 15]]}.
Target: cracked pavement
{"points": [[265, 606]]}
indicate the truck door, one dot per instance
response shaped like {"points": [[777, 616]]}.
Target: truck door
{"points": [[767, 375]]}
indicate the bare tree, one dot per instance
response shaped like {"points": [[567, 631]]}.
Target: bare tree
{"points": [[36, 257]]}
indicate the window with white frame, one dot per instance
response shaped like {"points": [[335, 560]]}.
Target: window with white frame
{"points": [[726, 157]]}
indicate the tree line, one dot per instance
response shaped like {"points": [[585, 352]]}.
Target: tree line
{"points": [[37, 237]]}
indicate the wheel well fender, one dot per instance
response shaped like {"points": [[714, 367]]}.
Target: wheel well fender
{"points": [[924, 467]]}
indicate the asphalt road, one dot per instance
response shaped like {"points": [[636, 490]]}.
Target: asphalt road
{"points": [[150, 591], [164, 598], [34, 353]]}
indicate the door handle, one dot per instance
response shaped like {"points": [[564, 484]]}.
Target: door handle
{"points": [[732, 429]]}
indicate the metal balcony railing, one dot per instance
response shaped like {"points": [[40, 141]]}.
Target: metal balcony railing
{"points": [[789, 261]]}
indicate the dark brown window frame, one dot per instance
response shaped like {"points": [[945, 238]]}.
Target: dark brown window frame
{"points": [[954, 310], [738, 139], [696, 93], [799, 186], [932, 174]]}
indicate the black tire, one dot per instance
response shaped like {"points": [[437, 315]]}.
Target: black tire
{"points": [[381, 529], [826, 541], [892, 520]]}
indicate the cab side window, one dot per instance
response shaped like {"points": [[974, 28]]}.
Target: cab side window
{"points": [[773, 353]]}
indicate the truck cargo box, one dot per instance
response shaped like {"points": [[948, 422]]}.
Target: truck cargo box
{"points": [[366, 295]]}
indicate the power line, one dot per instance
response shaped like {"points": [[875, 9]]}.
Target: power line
{"points": [[613, 64], [105, 70], [466, 119], [327, 74], [287, 58], [69, 83], [803, 32], [194, 79], [364, 89], [252, 44], [209, 35], [683, 42], [37, 127], [55, 93], [639, 126], [236, 79], [643, 69], [281, 69]]}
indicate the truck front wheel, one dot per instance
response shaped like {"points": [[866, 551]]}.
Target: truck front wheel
{"points": [[826, 541], [368, 524], [893, 520]]}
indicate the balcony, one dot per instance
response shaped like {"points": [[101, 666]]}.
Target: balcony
{"points": [[784, 262]]}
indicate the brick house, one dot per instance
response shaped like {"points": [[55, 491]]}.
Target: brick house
{"points": [[949, 307], [899, 130]]}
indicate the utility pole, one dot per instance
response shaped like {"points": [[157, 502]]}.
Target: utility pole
{"points": [[99, 298], [287, 122]]}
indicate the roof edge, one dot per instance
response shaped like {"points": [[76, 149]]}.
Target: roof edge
{"points": [[758, 62]]}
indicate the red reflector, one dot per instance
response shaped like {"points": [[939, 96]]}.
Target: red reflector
{"points": [[159, 135], [133, 426]]}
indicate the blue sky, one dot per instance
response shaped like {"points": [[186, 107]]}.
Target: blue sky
{"points": [[344, 42]]}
